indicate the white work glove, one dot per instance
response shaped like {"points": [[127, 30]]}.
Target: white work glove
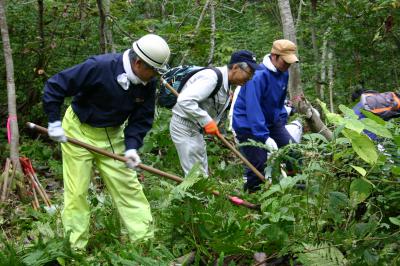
{"points": [[271, 144], [133, 159], [56, 132]]}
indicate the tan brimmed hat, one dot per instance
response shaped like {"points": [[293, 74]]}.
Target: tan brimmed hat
{"points": [[286, 49]]}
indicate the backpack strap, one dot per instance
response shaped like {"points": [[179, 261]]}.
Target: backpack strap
{"points": [[219, 82], [191, 74]]}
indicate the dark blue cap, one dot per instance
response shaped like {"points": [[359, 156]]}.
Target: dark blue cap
{"points": [[247, 57]]}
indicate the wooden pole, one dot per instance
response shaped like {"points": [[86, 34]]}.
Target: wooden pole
{"points": [[147, 168], [166, 84], [259, 175]]}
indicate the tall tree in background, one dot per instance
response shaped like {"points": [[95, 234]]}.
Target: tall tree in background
{"points": [[102, 22], [295, 88], [12, 106], [203, 12], [110, 47], [212, 35]]}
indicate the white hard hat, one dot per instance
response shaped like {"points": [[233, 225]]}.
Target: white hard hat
{"points": [[153, 50]]}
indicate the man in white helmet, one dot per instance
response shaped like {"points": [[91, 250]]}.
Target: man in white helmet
{"points": [[112, 108]]}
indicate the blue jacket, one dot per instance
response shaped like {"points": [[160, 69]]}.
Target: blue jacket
{"points": [[357, 110], [98, 99], [260, 104]]}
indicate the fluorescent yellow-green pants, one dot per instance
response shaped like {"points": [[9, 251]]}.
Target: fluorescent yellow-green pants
{"points": [[121, 182]]}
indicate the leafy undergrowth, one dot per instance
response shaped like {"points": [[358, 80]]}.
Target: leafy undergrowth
{"points": [[339, 208]]}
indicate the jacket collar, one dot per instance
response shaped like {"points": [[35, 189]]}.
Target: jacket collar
{"points": [[268, 64], [128, 70]]}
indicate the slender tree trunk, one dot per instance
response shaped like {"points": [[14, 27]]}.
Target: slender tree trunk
{"points": [[396, 75], [203, 12], [323, 66], [212, 35], [101, 26], [330, 78], [295, 89], [314, 44], [12, 110], [297, 25], [163, 9], [40, 63], [298, 20], [108, 31], [289, 32]]}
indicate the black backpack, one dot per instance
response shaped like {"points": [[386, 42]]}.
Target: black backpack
{"points": [[177, 77]]}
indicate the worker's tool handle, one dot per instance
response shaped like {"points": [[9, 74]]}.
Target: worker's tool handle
{"points": [[142, 166]]}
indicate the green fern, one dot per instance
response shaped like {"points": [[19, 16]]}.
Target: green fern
{"points": [[322, 254]]}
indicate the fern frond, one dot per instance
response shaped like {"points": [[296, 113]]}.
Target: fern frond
{"points": [[322, 254]]}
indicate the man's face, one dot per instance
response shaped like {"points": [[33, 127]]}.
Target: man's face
{"points": [[143, 70], [279, 63], [240, 75]]}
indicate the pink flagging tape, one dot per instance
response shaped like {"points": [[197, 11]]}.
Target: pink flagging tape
{"points": [[236, 200], [9, 119]]}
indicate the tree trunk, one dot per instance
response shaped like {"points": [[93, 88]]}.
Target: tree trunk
{"points": [[108, 31], [295, 89], [101, 26], [297, 25], [323, 66], [163, 9], [12, 110], [330, 78], [314, 44], [212, 35], [289, 33], [203, 12]]}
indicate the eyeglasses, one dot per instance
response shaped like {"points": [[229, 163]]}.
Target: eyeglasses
{"points": [[250, 73]]}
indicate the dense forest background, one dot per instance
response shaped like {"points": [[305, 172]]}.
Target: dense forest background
{"points": [[348, 213]]}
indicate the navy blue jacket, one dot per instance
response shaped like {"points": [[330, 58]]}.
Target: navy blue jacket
{"points": [[98, 99], [357, 110], [260, 104]]}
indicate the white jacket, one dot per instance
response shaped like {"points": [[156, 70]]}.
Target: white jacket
{"points": [[193, 102]]}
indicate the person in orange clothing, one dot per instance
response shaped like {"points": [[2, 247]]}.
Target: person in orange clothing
{"points": [[201, 104]]}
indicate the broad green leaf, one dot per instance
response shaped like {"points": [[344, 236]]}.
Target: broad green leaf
{"points": [[362, 145], [332, 117], [376, 128], [354, 124], [348, 113], [396, 170], [361, 170], [394, 220], [335, 118], [360, 190], [372, 116], [338, 199], [370, 258], [362, 229]]}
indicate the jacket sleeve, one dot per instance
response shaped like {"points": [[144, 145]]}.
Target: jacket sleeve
{"points": [[199, 90], [66, 83], [140, 121], [255, 115], [283, 116]]}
